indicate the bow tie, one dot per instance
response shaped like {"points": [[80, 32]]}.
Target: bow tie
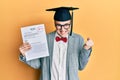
{"points": [[64, 39]]}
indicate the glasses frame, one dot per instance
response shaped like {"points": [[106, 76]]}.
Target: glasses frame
{"points": [[65, 26]]}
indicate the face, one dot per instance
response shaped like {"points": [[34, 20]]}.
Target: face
{"points": [[63, 27]]}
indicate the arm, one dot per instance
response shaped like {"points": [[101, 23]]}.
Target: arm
{"points": [[84, 54], [36, 63]]}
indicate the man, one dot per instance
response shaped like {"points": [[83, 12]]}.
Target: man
{"points": [[67, 51]]}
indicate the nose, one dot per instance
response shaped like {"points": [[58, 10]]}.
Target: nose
{"points": [[62, 28]]}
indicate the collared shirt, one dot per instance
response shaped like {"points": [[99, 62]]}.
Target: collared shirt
{"points": [[74, 61], [58, 70]]}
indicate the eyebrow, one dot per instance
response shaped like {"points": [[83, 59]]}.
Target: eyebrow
{"points": [[62, 24]]}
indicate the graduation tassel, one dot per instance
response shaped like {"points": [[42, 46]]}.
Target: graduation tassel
{"points": [[71, 23]]}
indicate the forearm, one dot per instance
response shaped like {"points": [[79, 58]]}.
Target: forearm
{"points": [[33, 63], [84, 57]]}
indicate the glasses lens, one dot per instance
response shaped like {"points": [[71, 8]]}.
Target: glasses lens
{"points": [[66, 25], [60, 26]]}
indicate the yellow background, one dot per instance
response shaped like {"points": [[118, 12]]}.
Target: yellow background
{"points": [[97, 19]]}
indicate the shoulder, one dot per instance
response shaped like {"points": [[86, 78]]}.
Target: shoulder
{"points": [[51, 33], [75, 35], [78, 38]]}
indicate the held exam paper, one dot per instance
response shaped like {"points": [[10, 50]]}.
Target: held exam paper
{"points": [[35, 35]]}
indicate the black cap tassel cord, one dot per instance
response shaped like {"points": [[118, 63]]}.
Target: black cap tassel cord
{"points": [[71, 24]]}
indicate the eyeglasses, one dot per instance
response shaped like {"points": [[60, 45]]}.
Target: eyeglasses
{"points": [[59, 26]]}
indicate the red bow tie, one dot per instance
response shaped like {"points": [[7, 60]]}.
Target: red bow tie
{"points": [[63, 39]]}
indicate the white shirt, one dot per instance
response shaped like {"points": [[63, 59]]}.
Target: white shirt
{"points": [[58, 69]]}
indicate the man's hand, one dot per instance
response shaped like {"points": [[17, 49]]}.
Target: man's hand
{"points": [[88, 44], [24, 48]]}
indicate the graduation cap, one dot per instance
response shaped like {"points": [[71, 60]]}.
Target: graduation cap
{"points": [[63, 14]]}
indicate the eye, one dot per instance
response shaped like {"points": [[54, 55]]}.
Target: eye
{"points": [[57, 25]]}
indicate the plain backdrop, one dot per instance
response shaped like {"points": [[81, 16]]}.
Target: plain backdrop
{"points": [[97, 19]]}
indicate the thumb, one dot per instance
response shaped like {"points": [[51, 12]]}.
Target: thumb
{"points": [[88, 39]]}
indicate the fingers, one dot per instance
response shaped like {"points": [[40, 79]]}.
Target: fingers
{"points": [[89, 43], [88, 38], [24, 48]]}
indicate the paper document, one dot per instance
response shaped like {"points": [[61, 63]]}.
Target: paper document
{"points": [[36, 36]]}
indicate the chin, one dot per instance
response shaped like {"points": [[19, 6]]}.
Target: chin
{"points": [[63, 34]]}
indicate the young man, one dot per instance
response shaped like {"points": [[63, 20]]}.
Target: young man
{"points": [[67, 51]]}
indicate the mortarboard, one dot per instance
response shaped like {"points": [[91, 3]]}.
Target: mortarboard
{"points": [[63, 14]]}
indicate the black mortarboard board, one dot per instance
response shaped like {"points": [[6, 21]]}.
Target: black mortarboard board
{"points": [[63, 14]]}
